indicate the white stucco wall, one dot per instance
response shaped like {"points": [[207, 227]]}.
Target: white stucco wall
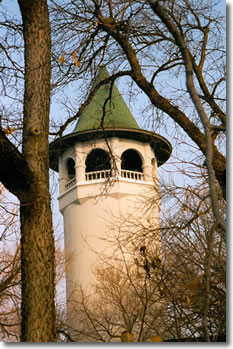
{"points": [[91, 209]]}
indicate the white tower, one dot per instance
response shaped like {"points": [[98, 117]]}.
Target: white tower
{"points": [[105, 166]]}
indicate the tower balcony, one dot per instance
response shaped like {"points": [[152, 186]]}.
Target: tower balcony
{"points": [[105, 174]]}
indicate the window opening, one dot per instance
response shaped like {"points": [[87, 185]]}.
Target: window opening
{"points": [[98, 160], [70, 168], [131, 161]]}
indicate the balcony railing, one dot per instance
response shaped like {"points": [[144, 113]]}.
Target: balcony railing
{"points": [[104, 174], [139, 176], [91, 176], [70, 183]]}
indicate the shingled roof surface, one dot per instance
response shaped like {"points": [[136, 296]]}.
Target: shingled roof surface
{"points": [[117, 113]]}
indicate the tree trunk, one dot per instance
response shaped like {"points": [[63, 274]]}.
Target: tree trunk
{"points": [[37, 243]]}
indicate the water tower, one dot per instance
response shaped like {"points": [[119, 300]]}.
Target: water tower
{"points": [[105, 166]]}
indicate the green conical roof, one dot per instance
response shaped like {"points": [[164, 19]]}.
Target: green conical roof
{"points": [[117, 113]]}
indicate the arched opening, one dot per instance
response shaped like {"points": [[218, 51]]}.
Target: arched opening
{"points": [[70, 165], [131, 161], [70, 170], [98, 164], [131, 165]]}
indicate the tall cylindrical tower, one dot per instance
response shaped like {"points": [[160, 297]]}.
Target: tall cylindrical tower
{"points": [[106, 167]]}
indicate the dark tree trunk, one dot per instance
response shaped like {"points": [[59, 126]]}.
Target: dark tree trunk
{"points": [[37, 243]]}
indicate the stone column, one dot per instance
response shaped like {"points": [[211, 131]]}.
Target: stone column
{"points": [[79, 163], [147, 166], [116, 161], [62, 175]]}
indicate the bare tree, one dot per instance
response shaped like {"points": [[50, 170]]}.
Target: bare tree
{"points": [[132, 42], [26, 174], [196, 255], [128, 38], [123, 300], [9, 270], [10, 295], [185, 41], [175, 291], [172, 24]]}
